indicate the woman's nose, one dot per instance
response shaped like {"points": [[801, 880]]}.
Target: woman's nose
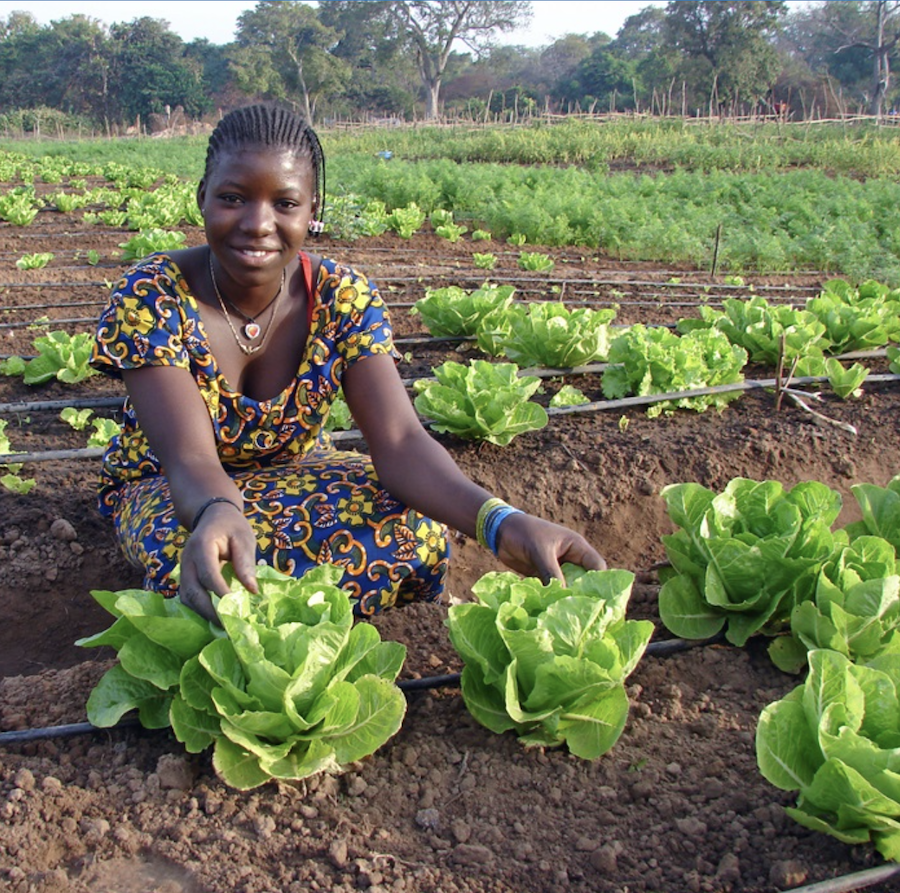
{"points": [[258, 217]]}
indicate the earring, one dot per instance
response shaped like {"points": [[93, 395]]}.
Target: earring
{"points": [[316, 227]]}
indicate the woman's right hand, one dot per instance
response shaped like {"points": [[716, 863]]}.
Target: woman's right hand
{"points": [[222, 535]]}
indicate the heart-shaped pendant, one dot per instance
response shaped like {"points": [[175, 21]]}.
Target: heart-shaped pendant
{"points": [[251, 331]]}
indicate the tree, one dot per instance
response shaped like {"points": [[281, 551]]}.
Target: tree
{"points": [[729, 42], [383, 75], [150, 71], [284, 52], [885, 34], [435, 25]]}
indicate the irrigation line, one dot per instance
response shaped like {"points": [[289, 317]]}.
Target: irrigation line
{"points": [[53, 284], [52, 405], [849, 882], [51, 306], [46, 323], [599, 406], [449, 680]]}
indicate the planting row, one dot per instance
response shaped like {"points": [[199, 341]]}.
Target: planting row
{"points": [[290, 687]]}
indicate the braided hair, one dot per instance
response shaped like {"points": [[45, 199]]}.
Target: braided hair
{"points": [[272, 127]]}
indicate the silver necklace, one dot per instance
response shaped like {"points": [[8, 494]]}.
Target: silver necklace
{"points": [[251, 329]]}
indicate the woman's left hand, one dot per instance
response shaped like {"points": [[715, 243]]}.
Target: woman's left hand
{"points": [[537, 548]]}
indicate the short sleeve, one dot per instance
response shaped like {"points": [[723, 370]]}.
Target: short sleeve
{"points": [[364, 327], [146, 322]]}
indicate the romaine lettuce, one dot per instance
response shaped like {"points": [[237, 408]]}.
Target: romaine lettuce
{"points": [[289, 687], [745, 557], [549, 662], [836, 740]]}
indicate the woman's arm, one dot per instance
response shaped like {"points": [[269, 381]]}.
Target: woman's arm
{"points": [[416, 469], [176, 422]]}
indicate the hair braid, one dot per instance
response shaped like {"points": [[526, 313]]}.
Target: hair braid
{"points": [[271, 127]]}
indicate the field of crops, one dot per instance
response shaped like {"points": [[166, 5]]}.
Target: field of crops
{"points": [[678, 804]]}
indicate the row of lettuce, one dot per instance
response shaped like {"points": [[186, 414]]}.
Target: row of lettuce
{"points": [[289, 686], [756, 559], [491, 400]]}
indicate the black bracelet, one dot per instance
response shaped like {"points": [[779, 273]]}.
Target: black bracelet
{"points": [[207, 504]]}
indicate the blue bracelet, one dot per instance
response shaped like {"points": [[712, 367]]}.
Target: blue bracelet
{"points": [[492, 523]]}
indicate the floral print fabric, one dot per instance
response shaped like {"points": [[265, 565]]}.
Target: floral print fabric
{"points": [[307, 502]]}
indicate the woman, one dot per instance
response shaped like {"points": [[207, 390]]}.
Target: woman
{"points": [[231, 354]]}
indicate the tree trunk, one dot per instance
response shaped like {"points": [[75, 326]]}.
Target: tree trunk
{"points": [[881, 64], [433, 96]]}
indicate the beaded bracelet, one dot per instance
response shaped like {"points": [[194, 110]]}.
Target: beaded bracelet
{"points": [[490, 516], [489, 504], [207, 504], [492, 524]]}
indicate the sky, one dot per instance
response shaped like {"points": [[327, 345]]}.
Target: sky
{"points": [[216, 19]]}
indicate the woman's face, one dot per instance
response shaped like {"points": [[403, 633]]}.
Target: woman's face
{"points": [[257, 204]]}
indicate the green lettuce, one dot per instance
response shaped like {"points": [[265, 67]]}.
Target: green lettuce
{"points": [[855, 609], [453, 312], [549, 662], [880, 508], [481, 401], [289, 687], [62, 356], [547, 334], [836, 740], [656, 361], [857, 318], [763, 330], [743, 558]]}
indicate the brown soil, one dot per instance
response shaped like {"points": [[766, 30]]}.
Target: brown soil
{"points": [[677, 805]]}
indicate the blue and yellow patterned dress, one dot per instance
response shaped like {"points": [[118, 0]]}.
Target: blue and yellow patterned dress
{"points": [[308, 502]]}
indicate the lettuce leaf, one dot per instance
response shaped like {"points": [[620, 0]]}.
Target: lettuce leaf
{"points": [[549, 662], [287, 688]]}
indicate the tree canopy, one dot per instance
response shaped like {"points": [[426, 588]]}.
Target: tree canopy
{"points": [[422, 59]]}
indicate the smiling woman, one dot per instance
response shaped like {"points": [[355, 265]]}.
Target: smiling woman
{"points": [[232, 354]]}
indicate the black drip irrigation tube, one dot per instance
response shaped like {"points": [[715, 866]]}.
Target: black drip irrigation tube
{"points": [[662, 648], [600, 406]]}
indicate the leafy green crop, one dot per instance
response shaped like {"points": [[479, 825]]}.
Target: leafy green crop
{"points": [[859, 318], [568, 395], [547, 334], [62, 356], [845, 381], [880, 508], [35, 261], [762, 330], [745, 557], [148, 241], [855, 609], [656, 361], [76, 418], [453, 312], [482, 401], [10, 480], [291, 687], [18, 206], [536, 262], [835, 739], [103, 433], [549, 662], [484, 261], [406, 221]]}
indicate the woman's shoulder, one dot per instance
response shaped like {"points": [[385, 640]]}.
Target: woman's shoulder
{"points": [[334, 272], [162, 271]]}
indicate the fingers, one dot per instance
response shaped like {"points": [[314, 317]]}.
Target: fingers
{"points": [[201, 567], [535, 547]]}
